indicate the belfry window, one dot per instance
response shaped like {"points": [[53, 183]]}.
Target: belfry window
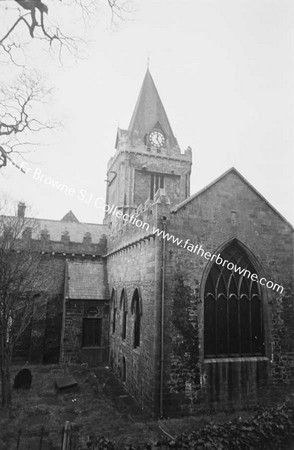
{"points": [[233, 316], [124, 312], [157, 181]]}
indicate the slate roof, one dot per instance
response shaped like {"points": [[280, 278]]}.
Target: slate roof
{"points": [[149, 113], [176, 208], [86, 281]]}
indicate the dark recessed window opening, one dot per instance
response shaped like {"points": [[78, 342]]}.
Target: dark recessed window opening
{"points": [[92, 331], [123, 307], [114, 320], [233, 314], [124, 370], [146, 142], [137, 318], [124, 325], [113, 305], [157, 181]]}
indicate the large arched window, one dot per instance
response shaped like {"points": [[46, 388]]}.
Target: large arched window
{"points": [[136, 310], [233, 316], [124, 313]]}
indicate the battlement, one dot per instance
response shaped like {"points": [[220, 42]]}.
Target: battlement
{"points": [[140, 223]]}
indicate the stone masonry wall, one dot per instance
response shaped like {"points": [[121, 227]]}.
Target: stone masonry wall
{"points": [[40, 342], [230, 209], [130, 269], [134, 261], [74, 312]]}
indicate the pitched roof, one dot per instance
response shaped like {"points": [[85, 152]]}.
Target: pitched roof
{"points": [[149, 112], [176, 208], [70, 217], [86, 281]]}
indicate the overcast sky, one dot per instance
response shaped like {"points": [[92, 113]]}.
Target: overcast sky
{"points": [[225, 73]]}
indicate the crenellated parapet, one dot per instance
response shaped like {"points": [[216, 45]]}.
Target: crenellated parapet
{"points": [[140, 224]]}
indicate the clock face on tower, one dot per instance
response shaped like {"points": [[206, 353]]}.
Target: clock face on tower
{"points": [[156, 139]]}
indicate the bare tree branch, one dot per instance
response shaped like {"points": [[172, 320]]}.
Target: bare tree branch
{"points": [[21, 112], [36, 21]]}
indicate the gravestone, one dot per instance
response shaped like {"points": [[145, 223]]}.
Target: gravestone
{"points": [[23, 379], [65, 382]]}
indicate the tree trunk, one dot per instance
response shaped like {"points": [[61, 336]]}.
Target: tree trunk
{"points": [[6, 388], [5, 374]]}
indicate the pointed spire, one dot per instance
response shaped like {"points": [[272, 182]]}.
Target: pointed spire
{"points": [[149, 113]]}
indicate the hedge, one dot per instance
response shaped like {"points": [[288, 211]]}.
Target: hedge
{"points": [[270, 428]]}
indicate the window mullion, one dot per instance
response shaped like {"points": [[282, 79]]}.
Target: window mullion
{"points": [[250, 320], [228, 324], [216, 330]]}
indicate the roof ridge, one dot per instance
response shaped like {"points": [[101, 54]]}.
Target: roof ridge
{"points": [[176, 208], [70, 217], [58, 221]]}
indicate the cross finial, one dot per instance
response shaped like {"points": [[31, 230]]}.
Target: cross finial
{"points": [[148, 61]]}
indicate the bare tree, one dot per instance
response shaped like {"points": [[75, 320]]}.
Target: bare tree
{"points": [[21, 114], [22, 277], [28, 20]]}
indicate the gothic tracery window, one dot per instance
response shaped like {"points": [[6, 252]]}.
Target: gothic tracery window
{"points": [[233, 316]]}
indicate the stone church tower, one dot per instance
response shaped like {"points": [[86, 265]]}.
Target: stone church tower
{"points": [[147, 157], [186, 334], [147, 175]]}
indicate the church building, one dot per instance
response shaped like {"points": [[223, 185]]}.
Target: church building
{"points": [[189, 298]]}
